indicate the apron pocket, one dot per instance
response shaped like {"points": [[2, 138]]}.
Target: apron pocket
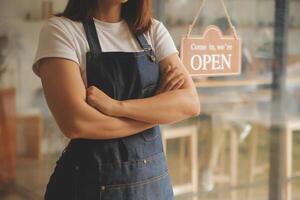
{"points": [[157, 188], [144, 179]]}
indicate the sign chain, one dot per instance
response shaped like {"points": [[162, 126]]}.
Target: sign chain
{"points": [[199, 12]]}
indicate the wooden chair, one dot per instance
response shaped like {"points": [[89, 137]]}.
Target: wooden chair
{"points": [[215, 160], [225, 127], [291, 126], [31, 129], [188, 131]]}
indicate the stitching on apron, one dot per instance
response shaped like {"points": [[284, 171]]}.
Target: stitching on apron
{"points": [[136, 184], [154, 157]]}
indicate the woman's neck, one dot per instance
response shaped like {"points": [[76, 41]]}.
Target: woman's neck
{"points": [[108, 12]]}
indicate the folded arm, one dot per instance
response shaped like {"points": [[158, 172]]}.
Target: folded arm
{"points": [[66, 97], [163, 108]]}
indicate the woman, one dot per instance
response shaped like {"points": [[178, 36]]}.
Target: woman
{"points": [[111, 74]]}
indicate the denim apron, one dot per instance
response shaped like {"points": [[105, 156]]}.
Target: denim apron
{"points": [[128, 168]]}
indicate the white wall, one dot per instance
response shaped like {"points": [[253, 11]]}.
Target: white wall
{"points": [[18, 9], [12, 14]]}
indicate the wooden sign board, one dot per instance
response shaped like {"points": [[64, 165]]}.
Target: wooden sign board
{"points": [[214, 54]]}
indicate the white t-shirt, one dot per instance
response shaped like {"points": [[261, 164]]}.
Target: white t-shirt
{"points": [[64, 38]]}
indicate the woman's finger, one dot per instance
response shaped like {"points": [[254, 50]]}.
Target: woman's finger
{"points": [[169, 76], [162, 82], [166, 71], [174, 81], [178, 84]]}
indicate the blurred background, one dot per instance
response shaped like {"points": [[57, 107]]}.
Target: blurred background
{"points": [[245, 144]]}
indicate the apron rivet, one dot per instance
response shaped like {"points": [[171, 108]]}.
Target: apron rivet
{"points": [[145, 161], [102, 187], [152, 58]]}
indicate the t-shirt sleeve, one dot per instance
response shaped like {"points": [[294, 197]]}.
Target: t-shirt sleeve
{"points": [[54, 41], [163, 42]]}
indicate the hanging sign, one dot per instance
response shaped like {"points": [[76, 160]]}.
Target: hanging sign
{"points": [[213, 53]]}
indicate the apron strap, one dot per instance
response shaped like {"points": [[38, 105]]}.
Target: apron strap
{"points": [[91, 35], [143, 42], [146, 46]]}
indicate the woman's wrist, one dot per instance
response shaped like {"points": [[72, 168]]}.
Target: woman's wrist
{"points": [[120, 109]]}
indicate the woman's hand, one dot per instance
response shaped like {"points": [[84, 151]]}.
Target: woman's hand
{"points": [[171, 79], [101, 101]]}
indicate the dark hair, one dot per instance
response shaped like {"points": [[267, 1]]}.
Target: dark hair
{"points": [[137, 13]]}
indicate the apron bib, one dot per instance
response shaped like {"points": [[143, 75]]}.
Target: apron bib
{"points": [[129, 168]]}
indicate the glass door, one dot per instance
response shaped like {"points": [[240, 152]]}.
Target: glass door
{"points": [[247, 133]]}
